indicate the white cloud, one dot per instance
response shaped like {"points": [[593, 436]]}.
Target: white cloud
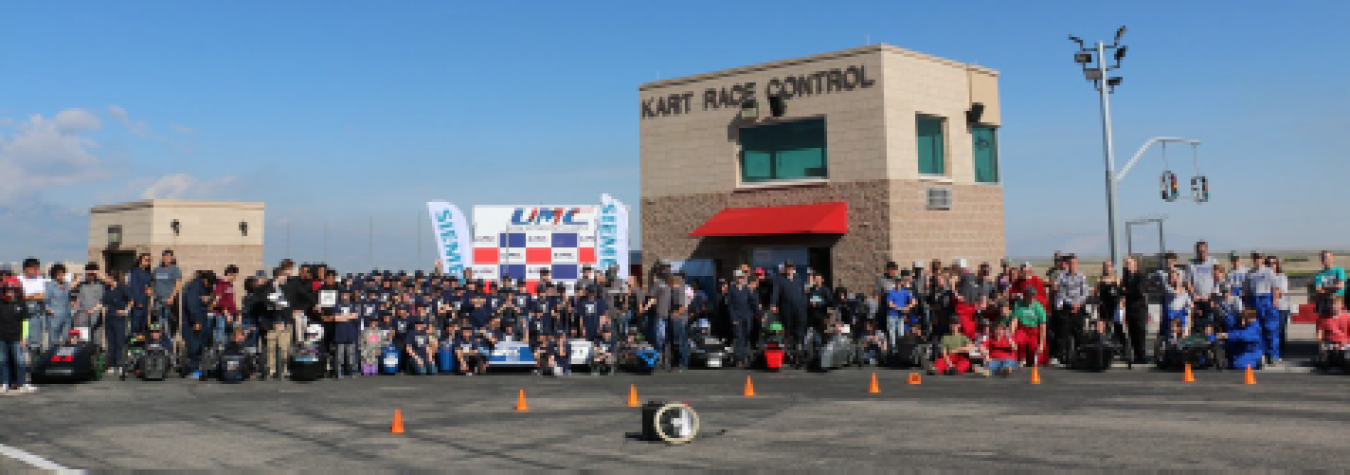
{"points": [[182, 129], [139, 128], [77, 120], [49, 152], [184, 186]]}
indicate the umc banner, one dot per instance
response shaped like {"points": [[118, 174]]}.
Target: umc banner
{"points": [[453, 238], [612, 236]]}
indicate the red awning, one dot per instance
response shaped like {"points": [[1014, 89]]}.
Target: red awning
{"points": [[819, 218]]}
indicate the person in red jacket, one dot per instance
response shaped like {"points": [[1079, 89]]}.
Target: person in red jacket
{"points": [[1027, 279], [1001, 352]]}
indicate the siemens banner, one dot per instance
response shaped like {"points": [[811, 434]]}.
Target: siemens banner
{"points": [[453, 239], [612, 236]]}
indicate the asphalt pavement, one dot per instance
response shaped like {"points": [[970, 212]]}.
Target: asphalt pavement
{"points": [[1120, 419]]}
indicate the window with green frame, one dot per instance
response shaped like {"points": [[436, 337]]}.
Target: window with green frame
{"points": [[932, 150], [985, 143], [784, 151]]}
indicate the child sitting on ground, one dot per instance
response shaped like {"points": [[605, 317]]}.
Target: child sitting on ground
{"points": [[954, 356]]}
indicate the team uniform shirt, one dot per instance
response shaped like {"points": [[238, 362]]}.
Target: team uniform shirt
{"points": [[1237, 280], [348, 331], [1072, 289], [165, 279], [1177, 299], [1331, 277], [1261, 282], [1201, 275], [1282, 284], [1028, 315], [1000, 348]]}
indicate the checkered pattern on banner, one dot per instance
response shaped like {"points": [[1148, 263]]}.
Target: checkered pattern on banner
{"points": [[522, 255]]}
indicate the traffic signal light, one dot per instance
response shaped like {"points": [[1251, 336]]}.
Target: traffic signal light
{"points": [[1169, 187], [1200, 189]]}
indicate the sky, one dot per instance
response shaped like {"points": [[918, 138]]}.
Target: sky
{"points": [[340, 114]]}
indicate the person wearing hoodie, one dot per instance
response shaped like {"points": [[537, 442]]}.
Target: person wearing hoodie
{"points": [[13, 313]]}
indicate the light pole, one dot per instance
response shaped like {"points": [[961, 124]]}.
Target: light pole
{"points": [[1098, 75]]}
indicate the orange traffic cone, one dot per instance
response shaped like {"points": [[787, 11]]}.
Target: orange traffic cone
{"points": [[1035, 375], [1188, 377], [632, 396], [914, 378], [1251, 378], [521, 405], [398, 423], [874, 389], [749, 387]]}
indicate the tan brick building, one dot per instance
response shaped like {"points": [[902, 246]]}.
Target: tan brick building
{"points": [[898, 149], [203, 234]]}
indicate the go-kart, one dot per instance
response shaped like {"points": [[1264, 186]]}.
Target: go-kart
{"points": [[149, 361], [309, 361], [232, 364], [706, 350], [1097, 348], [69, 363], [837, 351], [1199, 351], [911, 351], [1332, 355], [638, 357]]}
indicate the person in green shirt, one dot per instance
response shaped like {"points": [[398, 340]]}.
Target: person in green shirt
{"points": [[1330, 281], [1027, 320], [954, 356]]}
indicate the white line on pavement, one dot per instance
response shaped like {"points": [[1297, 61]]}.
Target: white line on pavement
{"points": [[34, 460]]}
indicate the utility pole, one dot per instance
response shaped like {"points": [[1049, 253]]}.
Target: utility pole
{"points": [[1105, 85], [325, 242], [370, 239]]}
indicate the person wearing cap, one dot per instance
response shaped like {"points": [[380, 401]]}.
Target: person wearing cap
{"points": [[13, 356], [89, 303], [419, 349], [888, 279], [1027, 321], [346, 333], [1245, 347], [742, 304], [590, 308], [789, 302], [1263, 291], [604, 350]]}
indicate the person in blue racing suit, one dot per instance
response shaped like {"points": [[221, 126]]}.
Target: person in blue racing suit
{"points": [[1244, 342]]}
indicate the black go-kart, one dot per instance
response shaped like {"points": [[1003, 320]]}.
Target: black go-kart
{"points": [[706, 350], [1097, 347], [1332, 355], [232, 364], [912, 352], [150, 361], [1170, 354], [69, 363], [309, 362]]}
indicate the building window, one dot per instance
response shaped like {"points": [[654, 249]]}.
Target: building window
{"points": [[932, 151], [985, 142], [783, 151]]}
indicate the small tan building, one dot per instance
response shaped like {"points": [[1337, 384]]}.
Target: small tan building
{"points": [[840, 162], [203, 234]]}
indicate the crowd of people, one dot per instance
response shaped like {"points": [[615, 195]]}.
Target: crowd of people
{"points": [[1012, 316]]}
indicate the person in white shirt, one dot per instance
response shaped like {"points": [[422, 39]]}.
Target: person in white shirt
{"points": [[1200, 277], [35, 298]]}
